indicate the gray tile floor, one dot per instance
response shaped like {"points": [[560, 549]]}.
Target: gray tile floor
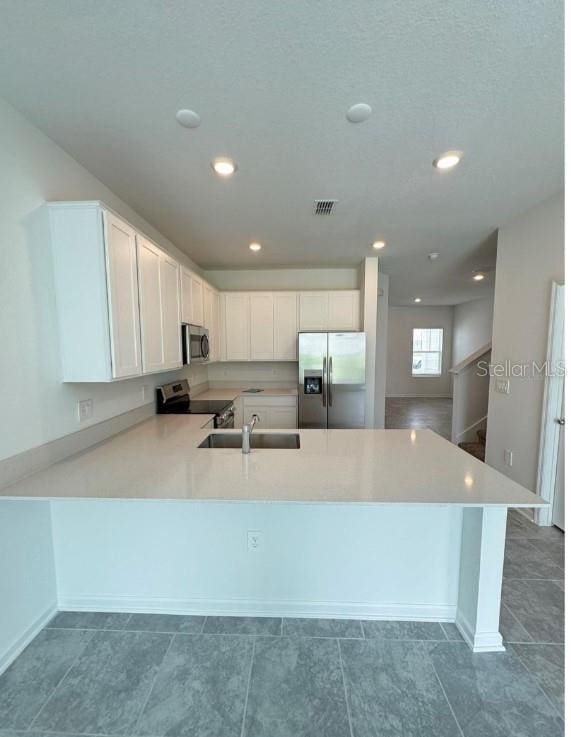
{"points": [[187, 676], [435, 413]]}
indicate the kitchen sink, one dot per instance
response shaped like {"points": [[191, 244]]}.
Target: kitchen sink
{"points": [[271, 441]]}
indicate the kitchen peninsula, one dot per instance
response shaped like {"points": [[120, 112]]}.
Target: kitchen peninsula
{"points": [[380, 524]]}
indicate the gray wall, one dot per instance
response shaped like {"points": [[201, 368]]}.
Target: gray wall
{"points": [[284, 279], [402, 320], [530, 258], [472, 327]]}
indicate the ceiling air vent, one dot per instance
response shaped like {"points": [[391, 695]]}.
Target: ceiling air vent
{"points": [[324, 207]]}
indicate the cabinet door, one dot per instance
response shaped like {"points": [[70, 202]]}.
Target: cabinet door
{"points": [[149, 262], [185, 295], [313, 310], [344, 310], [283, 418], [170, 312], [237, 316], [123, 297], [261, 327], [197, 297], [215, 332], [285, 327]]}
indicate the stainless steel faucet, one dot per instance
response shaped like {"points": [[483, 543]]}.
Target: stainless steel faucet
{"points": [[247, 431]]}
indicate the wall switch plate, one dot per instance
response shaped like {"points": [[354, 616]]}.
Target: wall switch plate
{"points": [[254, 538], [503, 386], [84, 410], [508, 457]]}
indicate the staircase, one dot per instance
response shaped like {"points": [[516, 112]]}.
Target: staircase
{"points": [[477, 448]]}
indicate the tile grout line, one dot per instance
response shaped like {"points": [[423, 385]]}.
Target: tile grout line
{"points": [[282, 628], [203, 625], [517, 620], [345, 688], [445, 694], [61, 680], [362, 629], [139, 717], [536, 679], [244, 714]]}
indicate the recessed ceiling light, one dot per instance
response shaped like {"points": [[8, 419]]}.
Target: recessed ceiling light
{"points": [[378, 245], [255, 247], [433, 256], [188, 118], [359, 112], [478, 277], [224, 167], [417, 299], [448, 160]]}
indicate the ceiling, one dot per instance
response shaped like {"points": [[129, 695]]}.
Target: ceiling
{"points": [[272, 82]]}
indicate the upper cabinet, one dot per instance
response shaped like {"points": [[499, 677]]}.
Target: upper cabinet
{"points": [[339, 310], [237, 326], [117, 294], [212, 320], [192, 297], [159, 298], [94, 258], [261, 326], [285, 326]]}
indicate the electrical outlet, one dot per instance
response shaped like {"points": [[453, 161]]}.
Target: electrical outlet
{"points": [[503, 386], [84, 410], [508, 457], [254, 538]]}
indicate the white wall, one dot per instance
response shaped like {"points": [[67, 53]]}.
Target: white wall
{"points": [[256, 374], [472, 327], [36, 407], [284, 279], [28, 593], [530, 257], [402, 320]]}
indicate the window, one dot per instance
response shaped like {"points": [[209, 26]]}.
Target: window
{"points": [[427, 351]]}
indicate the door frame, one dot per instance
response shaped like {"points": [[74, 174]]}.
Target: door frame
{"points": [[552, 407]]}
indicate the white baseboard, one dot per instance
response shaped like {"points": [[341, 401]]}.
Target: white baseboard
{"points": [[9, 655], [483, 642], [259, 608]]}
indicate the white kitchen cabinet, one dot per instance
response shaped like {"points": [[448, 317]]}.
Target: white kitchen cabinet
{"points": [[338, 310], [261, 326], [343, 310], [275, 412], [285, 326], [159, 299], [94, 264], [122, 296], [313, 311], [211, 320], [237, 326], [192, 297]]}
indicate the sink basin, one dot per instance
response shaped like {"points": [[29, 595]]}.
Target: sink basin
{"points": [[273, 441]]}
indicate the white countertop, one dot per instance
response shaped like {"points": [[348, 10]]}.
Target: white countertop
{"points": [[233, 392], [159, 460]]}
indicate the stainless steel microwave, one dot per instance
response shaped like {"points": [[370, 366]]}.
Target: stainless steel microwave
{"points": [[195, 345]]}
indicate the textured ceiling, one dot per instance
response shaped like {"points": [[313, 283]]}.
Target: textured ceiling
{"points": [[272, 82]]}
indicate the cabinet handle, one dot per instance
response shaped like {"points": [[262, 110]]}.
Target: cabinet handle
{"points": [[324, 383], [330, 382]]}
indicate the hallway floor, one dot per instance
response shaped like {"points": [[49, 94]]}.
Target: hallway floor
{"points": [[187, 676], [419, 413]]}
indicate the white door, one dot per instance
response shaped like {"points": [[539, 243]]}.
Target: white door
{"points": [[149, 262], [170, 312], [197, 297], [185, 295], [285, 327], [123, 297], [559, 494], [344, 310], [237, 317], [313, 311], [261, 327]]}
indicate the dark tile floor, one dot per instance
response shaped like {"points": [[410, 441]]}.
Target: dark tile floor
{"points": [[418, 413], [188, 676]]}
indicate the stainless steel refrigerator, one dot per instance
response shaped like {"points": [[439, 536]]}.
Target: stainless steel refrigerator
{"points": [[331, 383]]}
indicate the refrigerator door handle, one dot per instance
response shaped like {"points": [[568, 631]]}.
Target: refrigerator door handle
{"points": [[330, 382], [323, 388]]}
